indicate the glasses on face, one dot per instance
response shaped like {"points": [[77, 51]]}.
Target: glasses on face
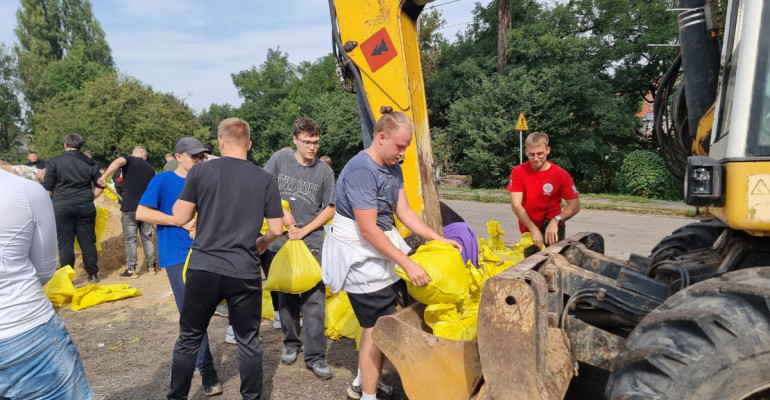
{"points": [[197, 157], [310, 143]]}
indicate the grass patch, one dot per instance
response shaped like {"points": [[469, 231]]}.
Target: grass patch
{"points": [[589, 201]]}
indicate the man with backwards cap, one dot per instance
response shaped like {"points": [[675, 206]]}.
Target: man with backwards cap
{"points": [[174, 242]]}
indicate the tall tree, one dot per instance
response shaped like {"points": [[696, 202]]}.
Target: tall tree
{"points": [[267, 103], [114, 114], [55, 31], [431, 42], [11, 124]]}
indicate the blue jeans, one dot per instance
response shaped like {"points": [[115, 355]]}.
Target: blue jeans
{"points": [[174, 273], [42, 363], [77, 220]]}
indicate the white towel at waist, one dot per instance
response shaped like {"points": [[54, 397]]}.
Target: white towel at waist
{"points": [[349, 262]]}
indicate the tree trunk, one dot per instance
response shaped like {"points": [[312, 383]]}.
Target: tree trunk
{"points": [[503, 27]]}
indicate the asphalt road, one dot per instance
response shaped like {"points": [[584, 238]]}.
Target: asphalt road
{"points": [[624, 233]]}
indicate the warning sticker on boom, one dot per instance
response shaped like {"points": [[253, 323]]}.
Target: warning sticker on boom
{"points": [[758, 198], [378, 50]]}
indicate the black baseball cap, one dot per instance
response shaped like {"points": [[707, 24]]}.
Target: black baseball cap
{"points": [[189, 145]]}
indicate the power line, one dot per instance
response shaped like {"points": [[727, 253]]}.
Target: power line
{"points": [[462, 23], [442, 4]]}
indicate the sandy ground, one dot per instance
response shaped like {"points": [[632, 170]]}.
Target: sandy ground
{"points": [[126, 345]]}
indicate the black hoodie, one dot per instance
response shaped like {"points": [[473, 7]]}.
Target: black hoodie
{"points": [[71, 177]]}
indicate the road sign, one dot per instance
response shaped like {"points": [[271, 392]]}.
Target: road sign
{"points": [[521, 125]]}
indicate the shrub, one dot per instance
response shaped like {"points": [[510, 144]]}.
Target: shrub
{"points": [[645, 174]]}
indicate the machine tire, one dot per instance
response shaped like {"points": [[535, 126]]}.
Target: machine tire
{"points": [[694, 236], [710, 341]]}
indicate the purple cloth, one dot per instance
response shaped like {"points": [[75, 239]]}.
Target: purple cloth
{"points": [[464, 234]]}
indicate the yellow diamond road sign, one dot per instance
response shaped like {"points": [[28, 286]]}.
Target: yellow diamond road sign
{"points": [[521, 125]]}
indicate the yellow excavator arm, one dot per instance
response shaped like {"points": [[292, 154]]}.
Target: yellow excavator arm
{"points": [[377, 47]]}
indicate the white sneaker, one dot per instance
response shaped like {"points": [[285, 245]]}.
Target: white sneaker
{"points": [[277, 321], [230, 335]]}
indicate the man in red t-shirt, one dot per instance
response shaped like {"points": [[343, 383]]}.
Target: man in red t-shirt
{"points": [[537, 188]]}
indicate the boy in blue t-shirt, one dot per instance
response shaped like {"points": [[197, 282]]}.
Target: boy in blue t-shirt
{"points": [[174, 242]]}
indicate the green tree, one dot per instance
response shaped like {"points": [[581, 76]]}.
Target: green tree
{"points": [[336, 112], [578, 70], [268, 106], [11, 124], [644, 173], [431, 41], [61, 45], [212, 116], [114, 114]]}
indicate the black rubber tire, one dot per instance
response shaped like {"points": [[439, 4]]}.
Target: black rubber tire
{"points": [[710, 341], [694, 236]]}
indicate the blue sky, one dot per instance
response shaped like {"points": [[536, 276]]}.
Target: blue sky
{"points": [[190, 47]]}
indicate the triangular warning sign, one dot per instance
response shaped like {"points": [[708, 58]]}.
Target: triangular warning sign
{"points": [[760, 188], [521, 125], [381, 48]]}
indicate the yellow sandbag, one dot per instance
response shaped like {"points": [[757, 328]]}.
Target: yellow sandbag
{"points": [[102, 217], [294, 269], [448, 323], [285, 205], [495, 241], [60, 288], [92, 295], [110, 194], [446, 269], [268, 311], [340, 320]]}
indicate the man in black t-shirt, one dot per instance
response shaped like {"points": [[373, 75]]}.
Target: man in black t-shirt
{"points": [[137, 173], [232, 196]]}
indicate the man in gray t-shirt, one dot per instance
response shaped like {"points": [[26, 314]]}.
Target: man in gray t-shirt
{"points": [[308, 185]]}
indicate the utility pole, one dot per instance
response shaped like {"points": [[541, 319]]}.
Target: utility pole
{"points": [[504, 24]]}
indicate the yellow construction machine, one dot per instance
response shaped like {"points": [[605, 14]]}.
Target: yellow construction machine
{"points": [[691, 321]]}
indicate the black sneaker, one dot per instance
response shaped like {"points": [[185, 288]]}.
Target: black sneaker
{"points": [[93, 278], [384, 392], [321, 370], [289, 355], [129, 273], [211, 385]]}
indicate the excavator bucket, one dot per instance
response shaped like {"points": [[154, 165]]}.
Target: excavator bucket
{"points": [[520, 355], [430, 367]]}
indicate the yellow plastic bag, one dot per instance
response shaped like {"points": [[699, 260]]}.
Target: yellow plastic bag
{"points": [[267, 305], [294, 269], [448, 323], [340, 320], [495, 241], [102, 217], [92, 295], [60, 288], [444, 265], [285, 205], [111, 193]]}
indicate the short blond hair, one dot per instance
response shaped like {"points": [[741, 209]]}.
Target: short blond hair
{"points": [[536, 138], [234, 131], [390, 122], [139, 151]]}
